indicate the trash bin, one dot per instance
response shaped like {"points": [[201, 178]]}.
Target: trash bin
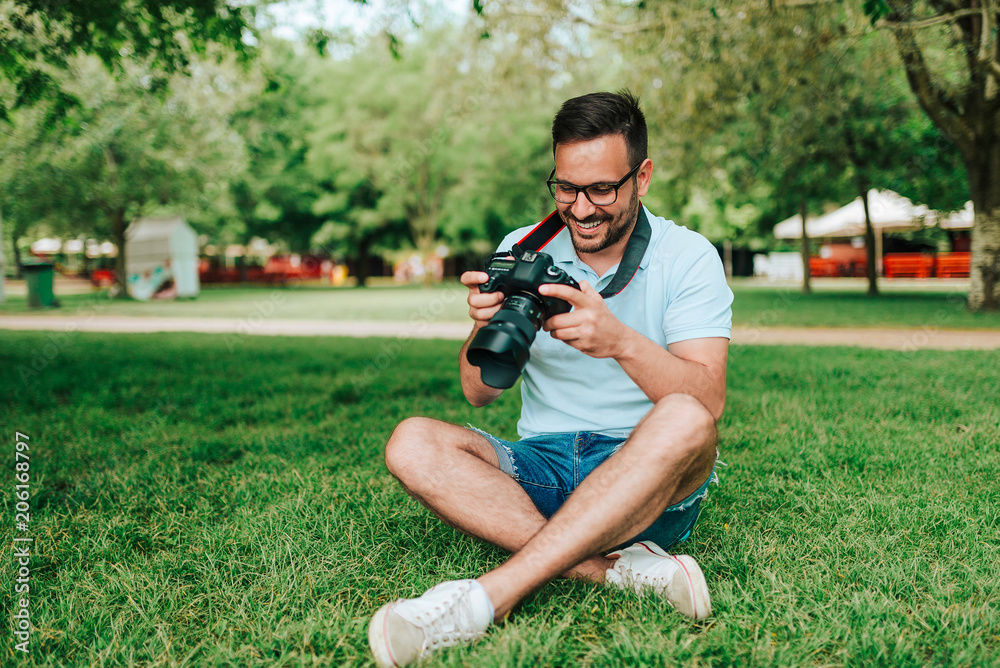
{"points": [[38, 276]]}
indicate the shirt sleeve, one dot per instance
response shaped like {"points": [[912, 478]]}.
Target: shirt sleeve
{"points": [[701, 303]]}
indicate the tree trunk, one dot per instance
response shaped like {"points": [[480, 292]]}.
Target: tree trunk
{"points": [[870, 246], [984, 272], [241, 268], [984, 288], [806, 287], [14, 238], [3, 264], [118, 234], [362, 268]]}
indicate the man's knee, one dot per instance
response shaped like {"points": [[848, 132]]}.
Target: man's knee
{"points": [[409, 445], [687, 419]]}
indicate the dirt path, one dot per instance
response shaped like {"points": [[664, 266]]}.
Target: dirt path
{"points": [[891, 339]]}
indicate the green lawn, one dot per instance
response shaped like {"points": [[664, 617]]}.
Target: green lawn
{"points": [[445, 302], [199, 504], [754, 306]]}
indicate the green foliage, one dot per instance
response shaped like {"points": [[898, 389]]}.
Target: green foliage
{"points": [[796, 111], [437, 136], [448, 143], [36, 35], [753, 108], [132, 144], [275, 193]]}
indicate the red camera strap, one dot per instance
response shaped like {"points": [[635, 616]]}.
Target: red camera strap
{"points": [[638, 241], [540, 234]]}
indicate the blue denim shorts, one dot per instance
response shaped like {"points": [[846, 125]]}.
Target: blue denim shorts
{"points": [[549, 467]]}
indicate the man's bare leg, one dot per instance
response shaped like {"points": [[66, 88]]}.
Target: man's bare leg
{"points": [[669, 455], [456, 474]]}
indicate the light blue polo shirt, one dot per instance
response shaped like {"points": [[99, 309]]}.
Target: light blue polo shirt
{"points": [[678, 293]]}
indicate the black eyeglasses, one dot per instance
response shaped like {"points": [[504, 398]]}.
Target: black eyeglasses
{"points": [[599, 194]]}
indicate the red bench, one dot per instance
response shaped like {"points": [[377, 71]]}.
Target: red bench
{"points": [[821, 267], [908, 265], [827, 267], [953, 265]]}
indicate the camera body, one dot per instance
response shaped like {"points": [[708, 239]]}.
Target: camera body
{"points": [[523, 276], [500, 349]]}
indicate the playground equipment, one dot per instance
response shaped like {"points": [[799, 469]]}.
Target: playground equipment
{"points": [[161, 259]]}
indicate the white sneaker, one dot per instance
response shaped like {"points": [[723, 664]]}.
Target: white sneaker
{"points": [[451, 613], [645, 567]]}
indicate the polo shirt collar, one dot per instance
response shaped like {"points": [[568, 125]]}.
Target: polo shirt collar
{"points": [[562, 251]]}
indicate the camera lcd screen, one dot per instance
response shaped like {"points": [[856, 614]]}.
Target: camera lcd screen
{"points": [[503, 264]]}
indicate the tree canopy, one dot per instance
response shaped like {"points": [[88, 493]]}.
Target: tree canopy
{"points": [[416, 133], [36, 35]]}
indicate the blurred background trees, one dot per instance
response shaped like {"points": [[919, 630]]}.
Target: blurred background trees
{"points": [[425, 129]]}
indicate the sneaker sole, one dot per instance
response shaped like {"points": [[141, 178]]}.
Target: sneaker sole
{"points": [[377, 641]]}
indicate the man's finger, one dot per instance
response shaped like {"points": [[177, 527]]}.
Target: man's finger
{"points": [[473, 278], [485, 299], [561, 321], [572, 295], [566, 334]]}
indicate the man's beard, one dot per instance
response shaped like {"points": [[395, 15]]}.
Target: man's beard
{"points": [[617, 227]]}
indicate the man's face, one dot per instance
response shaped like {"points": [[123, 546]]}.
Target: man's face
{"points": [[603, 160]]}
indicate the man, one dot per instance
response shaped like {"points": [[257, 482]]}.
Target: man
{"points": [[620, 400]]}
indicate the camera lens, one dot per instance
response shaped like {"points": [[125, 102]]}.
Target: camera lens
{"points": [[500, 349]]}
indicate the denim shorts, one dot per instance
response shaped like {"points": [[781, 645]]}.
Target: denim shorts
{"points": [[549, 467]]}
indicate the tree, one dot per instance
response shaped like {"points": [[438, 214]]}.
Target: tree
{"points": [[126, 148], [762, 101], [951, 51], [440, 138], [38, 34], [33, 190], [274, 196]]}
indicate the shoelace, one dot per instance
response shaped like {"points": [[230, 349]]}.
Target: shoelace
{"points": [[449, 622]]}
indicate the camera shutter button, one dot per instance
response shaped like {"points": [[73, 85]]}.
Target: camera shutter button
{"points": [[554, 271]]}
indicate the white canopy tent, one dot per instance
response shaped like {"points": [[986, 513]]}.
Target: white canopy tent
{"points": [[47, 245], [958, 220], [888, 210]]}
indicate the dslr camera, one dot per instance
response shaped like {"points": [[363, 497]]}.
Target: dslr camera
{"points": [[500, 349]]}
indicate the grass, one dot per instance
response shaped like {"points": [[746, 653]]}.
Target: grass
{"points": [[755, 306], [446, 302], [199, 504]]}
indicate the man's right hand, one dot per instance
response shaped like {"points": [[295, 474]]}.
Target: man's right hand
{"points": [[482, 305]]}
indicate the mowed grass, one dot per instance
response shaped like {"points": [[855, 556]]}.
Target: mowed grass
{"points": [[445, 302], [196, 503], [756, 305]]}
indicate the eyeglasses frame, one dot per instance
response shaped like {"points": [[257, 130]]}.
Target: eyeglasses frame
{"points": [[551, 182]]}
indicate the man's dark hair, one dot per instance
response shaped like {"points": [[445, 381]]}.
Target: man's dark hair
{"points": [[599, 114]]}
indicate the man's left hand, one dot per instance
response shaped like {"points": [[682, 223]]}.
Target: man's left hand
{"points": [[590, 327]]}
